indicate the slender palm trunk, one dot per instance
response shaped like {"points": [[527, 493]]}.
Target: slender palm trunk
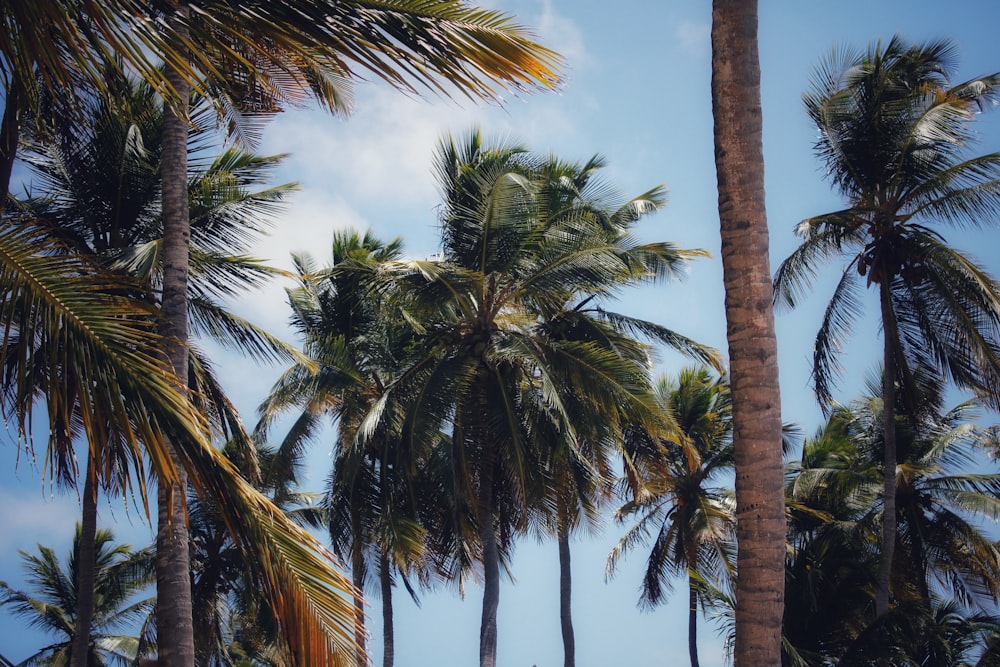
{"points": [[388, 639], [10, 133], [174, 620], [358, 578], [753, 360], [565, 594], [86, 565], [692, 621], [491, 562], [889, 333], [692, 561]]}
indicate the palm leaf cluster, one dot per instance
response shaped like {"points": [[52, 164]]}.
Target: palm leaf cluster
{"points": [[946, 569], [123, 577]]}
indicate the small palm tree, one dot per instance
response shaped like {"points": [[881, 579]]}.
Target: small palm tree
{"points": [[692, 520], [894, 136], [121, 576]]}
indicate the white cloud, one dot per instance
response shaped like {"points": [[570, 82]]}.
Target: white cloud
{"points": [[694, 38], [39, 518]]}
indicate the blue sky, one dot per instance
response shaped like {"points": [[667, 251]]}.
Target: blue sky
{"points": [[637, 92]]}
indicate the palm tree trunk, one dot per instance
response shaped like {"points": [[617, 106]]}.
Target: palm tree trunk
{"points": [[692, 621], [388, 639], [491, 562], [10, 132], [889, 372], [86, 564], [753, 359], [174, 621], [565, 593], [358, 578]]}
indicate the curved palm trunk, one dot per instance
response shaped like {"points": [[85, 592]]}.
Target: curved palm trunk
{"points": [[491, 562], [692, 621], [174, 622], [388, 639], [86, 564], [753, 358], [889, 373], [565, 594]]}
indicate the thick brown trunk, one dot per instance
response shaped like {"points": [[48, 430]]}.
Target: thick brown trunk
{"points": [[889, 453], [174, 624], [85, 563], [753, 361], [388, 639], [565, 594]]}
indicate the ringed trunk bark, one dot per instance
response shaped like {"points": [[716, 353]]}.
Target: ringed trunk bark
{"points": [[174, 621], [753, 361]]}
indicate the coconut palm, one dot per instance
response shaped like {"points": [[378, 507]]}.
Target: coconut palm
{"points": [[269, 54], [692, 519], [353, 347], [99, 192], [121, 576], [894, 136], [573, 196], [753, 354], [941, 550], [485, 366]]}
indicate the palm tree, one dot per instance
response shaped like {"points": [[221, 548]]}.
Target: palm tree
{"points": [[272, 53], [574, 196], [692, 520], [485, 365], [121, 575], [753, 358], [942, 550], [353, 347], [100, 194], [893, 137]]}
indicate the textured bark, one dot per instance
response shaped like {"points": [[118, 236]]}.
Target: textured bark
{"points": [[565, 595], [86, 564], [174, 623], [889, 333], [388, 638], [753, 361]]}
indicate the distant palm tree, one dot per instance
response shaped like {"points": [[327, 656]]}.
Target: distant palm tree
{"points": [[894, 134], [574, 196], [692, 520], [942, 551], [353, 347], [121, 576]]}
